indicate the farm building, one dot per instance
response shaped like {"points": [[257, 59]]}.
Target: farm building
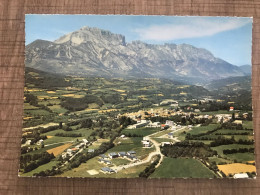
{"points": [[113, 155], [238, 122], [165, 143], [103, 156], [107, 170], [85, 141], [101, 160], [169, 123], [146, 143], [130, 157], [91, 150]]}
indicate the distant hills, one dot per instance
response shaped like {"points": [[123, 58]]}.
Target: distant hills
{"points": [[232, 84], [97, 52]]}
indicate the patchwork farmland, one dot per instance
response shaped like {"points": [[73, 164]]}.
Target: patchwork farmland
{"points": [[125, 128]]}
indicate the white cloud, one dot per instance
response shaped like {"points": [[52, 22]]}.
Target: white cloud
{"points": [[192, 29]]}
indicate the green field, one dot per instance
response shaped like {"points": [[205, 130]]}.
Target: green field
{"points": [[85, 132], [241, 157], [182, 168], [160, 140], [57, 139], [161, 133], [140, 131], [41, 168], [203, 129], [248, 124], [35, 112], [220, 149]]}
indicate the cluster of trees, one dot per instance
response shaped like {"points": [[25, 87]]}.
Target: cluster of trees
{"points": [[30, 162], [76, 104], [125, 121], [49, 172], [188, 149], [35, 136], [151, 168], [240, 150], [111, 98], [68, 134], [26, 149], [31, 99], [235, 133], [87, 123]]}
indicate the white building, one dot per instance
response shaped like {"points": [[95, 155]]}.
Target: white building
{"points": [[240, 176]]}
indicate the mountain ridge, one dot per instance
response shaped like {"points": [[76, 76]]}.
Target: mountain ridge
{"points": [[96, 52]]}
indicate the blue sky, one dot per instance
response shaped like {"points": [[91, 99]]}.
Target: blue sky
{"points": [[228, 38]]}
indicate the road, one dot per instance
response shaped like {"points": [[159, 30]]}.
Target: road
{"points": [[150, 156]]}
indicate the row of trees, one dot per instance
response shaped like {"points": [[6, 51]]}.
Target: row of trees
{"points": [[68, 134], [227, 141], [239, 150], [151, 168]]}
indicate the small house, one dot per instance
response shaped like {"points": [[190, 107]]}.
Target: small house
{"points": [[113, 155], [131, 152], [103, 156], [107, 162], [146, 143], [132, 158], [91, 150], [170, 135], [122, 154]]}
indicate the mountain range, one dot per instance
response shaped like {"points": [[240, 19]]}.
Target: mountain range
{"points": [[96, 52]]}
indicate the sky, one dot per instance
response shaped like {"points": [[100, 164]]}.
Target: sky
{"points": [[228, 38]]}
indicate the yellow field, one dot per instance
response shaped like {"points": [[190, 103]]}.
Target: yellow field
{"points": [[58, 150], [236, 168], [73, 95], [49, 136], [27, 118], [46, 97], [34, 90], [119, 90], [51, 92]]}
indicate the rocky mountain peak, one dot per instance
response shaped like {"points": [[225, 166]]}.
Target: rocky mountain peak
{"points": [[92, 34]]}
